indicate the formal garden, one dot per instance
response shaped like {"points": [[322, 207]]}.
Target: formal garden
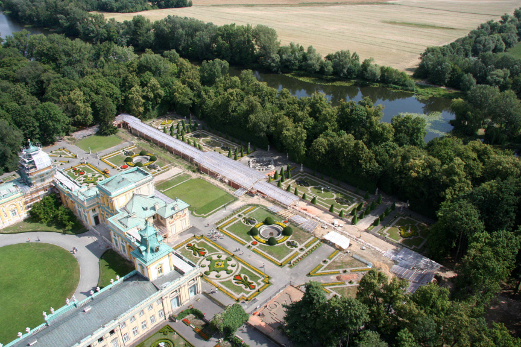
{"points": [[97, 143], [86, 174], [407, 231], [327, 194], [165, 337], [234, 277], [203, 197], [134, 156], [269, 235], [62, 153], [36, 277]]}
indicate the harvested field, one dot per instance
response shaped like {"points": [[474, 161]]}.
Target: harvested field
{"points": [[393, 33]]}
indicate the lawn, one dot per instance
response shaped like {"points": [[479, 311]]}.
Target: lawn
{"points": [[35, 277], [240, 230], [30, 226], [347, 292], [165, 333], [172, 182], [343, 262], [111, 264], [204, 198], [278, 252], [98, 143], [515, 51]]}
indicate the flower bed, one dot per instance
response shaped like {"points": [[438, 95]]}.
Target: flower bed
{"points": [[124, 166], [186, 321], [202, 334]]}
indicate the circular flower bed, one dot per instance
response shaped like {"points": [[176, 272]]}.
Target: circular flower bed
{"points": [[270, 231], [254, 243]]}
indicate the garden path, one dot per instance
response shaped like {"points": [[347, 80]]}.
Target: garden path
{"points": [[90, 249]]}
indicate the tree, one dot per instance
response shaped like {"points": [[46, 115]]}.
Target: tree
{"points": [[229, 153], [345, 317], [276, 175], [279, 183], [376, 221], [272, 241], [369, 338], [301, 316], [354, 220], [404, 338], [366, 195], [314, 200], [228, 321], [409, 130], [10, 145], [341, 214], [53, 123], [379, 200], [254, 231], [304, 196], [295, 191], [287, 231], [332, 208], [393, 206], [288, 188]]}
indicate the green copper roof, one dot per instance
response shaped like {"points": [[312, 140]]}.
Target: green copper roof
{"points": [[124, 180], [32, 148], [151, 247]]}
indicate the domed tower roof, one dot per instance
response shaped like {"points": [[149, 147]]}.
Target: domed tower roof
{"points": [[151, 246]]}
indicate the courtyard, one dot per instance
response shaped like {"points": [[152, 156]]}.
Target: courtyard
{"points": [[98, 143], [52, 274], [86, 174]]}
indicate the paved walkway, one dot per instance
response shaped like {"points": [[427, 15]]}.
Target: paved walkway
{"points": [[89, 247]]}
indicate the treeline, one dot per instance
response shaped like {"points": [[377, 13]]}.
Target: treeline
{"points": [[35, 12], [383, 314], [193, 39], [477, 58]]}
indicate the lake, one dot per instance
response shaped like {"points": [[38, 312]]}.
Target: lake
{"points": [[437, 110]]}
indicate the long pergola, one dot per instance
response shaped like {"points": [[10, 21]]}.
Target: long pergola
{"points": [[227, 168]]}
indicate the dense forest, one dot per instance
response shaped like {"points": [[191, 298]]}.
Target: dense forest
{"points": [[193, 39], [51, 85], [477, 58]]}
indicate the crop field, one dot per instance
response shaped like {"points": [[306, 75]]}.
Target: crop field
{"points": [[393, 33]]}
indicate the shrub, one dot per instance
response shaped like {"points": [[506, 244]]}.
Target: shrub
{"points": [[376, 221], [304, 196], [269, 221], [139, 164], [314, 200], [288, 188], [254, 231], [143, 153], [153, 158], [276, 175], [287, 231], [341, 214], [230, 320], [354, 220], [128, 160], [207, 273], [296, 191], [393, 206], [379, 201], [279, 184], [332, 208], [272, 241], [366, 195]]}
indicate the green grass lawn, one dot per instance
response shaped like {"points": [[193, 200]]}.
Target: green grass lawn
{"points": [[515, 51], [347, 292], [278, 252], [204, 198], [413, 241], [343, 262], [98, 143], [111, 264], [35, 277], [118, 159], [30, 226], [300, 235], [172, 182], [260, 215], [240, 230], [165, 333]]}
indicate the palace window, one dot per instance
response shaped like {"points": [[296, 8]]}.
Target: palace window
{"points": [[160, 270], [152, 319], [151, 307], [132, 319], [161, 313], [123, 325], [125, 338], [144, 325], [135, 331], [115, 343], [13, 213], [158, 302], [141, 313]]}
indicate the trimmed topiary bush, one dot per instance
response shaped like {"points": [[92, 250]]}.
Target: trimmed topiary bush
{"points": [[153, 158], [304, 196], [332, 208], [366, 195], [139, 164], [207, 273], [341, 214], [272, 241], [269, 221], [254, 231], [314, 200], [128, 160], [287, 231], [143, 153]]}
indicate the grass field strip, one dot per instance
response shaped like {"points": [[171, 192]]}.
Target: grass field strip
{"points": [[320, 269], [179, 174]]}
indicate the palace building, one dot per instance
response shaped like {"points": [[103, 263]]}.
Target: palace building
{"points": [[140, 220]]}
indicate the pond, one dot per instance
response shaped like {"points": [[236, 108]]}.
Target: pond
{"points": [[8, 27], [394, 102]]}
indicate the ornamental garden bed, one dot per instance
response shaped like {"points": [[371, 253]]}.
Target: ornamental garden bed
{"points": [[134, 156], [85, 174], [169, 336], [407, 231], [221, 268], [284, 247]]}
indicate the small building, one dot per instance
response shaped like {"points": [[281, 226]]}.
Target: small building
{"points": [[337, 240]]}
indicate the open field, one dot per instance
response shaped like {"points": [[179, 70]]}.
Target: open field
{"points": [[394, 34], [98, 143], [35, 277]]}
